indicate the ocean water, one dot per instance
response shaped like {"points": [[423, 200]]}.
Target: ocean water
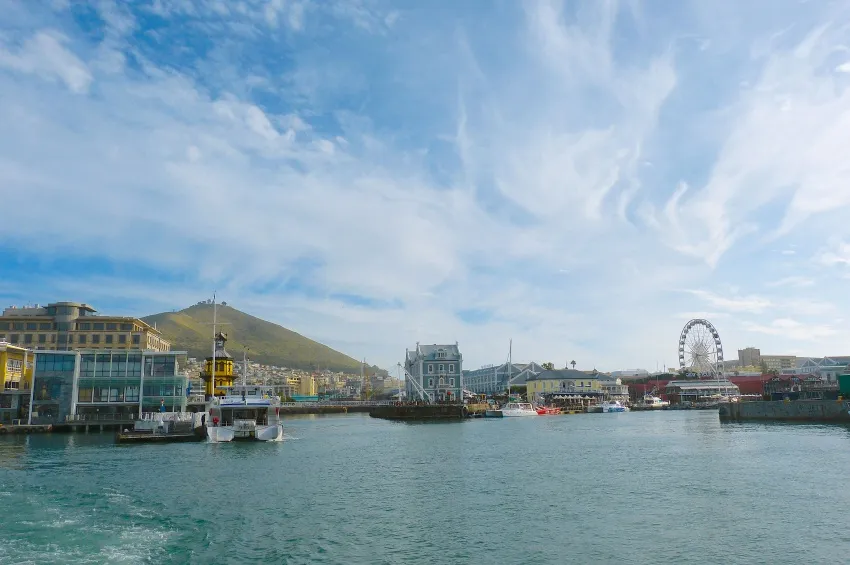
{"points": [[663, 487]]}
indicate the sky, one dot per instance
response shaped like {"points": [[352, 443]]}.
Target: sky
{"points": [[581, 178]]}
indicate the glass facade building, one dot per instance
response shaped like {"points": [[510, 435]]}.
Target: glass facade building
{"points": [[105, 385]]}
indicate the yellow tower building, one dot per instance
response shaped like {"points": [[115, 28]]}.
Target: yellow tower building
{"points": [[223, 373]]}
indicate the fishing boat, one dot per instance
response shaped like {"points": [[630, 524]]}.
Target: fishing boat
{"points": [[650, 402], [613, 406], [548, 411]]}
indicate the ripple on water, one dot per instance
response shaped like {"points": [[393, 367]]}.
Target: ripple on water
{"points": [[673, 487]]}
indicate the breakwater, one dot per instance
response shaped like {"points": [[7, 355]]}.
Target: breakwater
{"points": [[786, 411]]}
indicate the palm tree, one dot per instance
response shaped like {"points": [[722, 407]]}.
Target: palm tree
{"points": [[573, 363]]}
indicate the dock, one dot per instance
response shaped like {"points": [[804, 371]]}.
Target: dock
{"points": [[831, 411], [148, 437]]}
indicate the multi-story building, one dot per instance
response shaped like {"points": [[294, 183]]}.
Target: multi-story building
{"points": [[781, 363], [749, 357], [493, 379], [564, 383], [105, 385], [65, 326], [16, 365], [434, 371]]}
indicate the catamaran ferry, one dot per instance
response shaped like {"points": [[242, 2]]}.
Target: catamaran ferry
{"points": [[245, 412]]}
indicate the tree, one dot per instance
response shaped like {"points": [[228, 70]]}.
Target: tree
{"points": [[573, 363], [548, 366]]}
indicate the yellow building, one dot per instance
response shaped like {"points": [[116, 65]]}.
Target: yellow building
{"points": [[15, 367], [223, 374], [73, 325], [307, 386], [567, 382]]}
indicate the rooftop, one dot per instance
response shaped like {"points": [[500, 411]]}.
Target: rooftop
{"points": [[562, 374]]}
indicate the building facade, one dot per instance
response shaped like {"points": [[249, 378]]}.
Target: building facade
{"points": [[562, 382], [749, 357], [105, 385], [493, 379], [16, 365], [435, 372], [65, 326]]}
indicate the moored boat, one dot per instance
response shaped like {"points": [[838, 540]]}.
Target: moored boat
{"points": [[548, 411], [245, 412], [512, 409], [613, 406]]}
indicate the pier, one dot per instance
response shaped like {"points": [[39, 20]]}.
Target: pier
{"points": [[420, 412], [834, 411]]}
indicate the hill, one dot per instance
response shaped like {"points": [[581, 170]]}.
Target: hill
{"points": [[270, 344]]}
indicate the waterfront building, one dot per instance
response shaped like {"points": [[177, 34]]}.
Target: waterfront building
{"points": [[493, 379], [749, 357], [65, 326], [437, 371], [782, 363], [16, 364], [613, 388], [105, 385], [703, 390], [827, 368], [566, 383]]}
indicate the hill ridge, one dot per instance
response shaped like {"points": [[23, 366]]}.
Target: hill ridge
{"points": [[268, 343]]}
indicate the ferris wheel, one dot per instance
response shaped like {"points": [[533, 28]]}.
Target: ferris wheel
{"points": [[700, 350]]}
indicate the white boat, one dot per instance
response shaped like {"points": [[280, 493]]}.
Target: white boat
{"points": [[518, 409], [653, 403], [613, 406], [245, 412]]}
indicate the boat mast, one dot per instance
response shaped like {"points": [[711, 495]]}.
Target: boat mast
{"points": [[212, 365], [510, 366], [244, 367]]}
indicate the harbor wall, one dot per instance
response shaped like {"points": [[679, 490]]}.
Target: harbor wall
{"points": [[782, 411]]}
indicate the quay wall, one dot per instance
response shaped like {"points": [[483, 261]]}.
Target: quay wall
{"points": [[782, 411]]}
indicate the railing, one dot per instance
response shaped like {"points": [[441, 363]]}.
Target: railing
{"points": [[340, 403]]}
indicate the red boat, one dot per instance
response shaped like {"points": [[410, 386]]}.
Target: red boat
{"points": [[544, 411]]}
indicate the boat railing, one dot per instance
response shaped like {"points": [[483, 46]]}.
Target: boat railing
{"points": [[340, 403]]}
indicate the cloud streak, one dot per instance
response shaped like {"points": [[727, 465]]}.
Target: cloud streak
{"points": [[373, 175]]}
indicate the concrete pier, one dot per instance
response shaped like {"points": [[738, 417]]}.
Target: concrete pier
{"points": [[786, 411]]}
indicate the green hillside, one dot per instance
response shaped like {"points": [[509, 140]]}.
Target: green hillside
{"points": [[191, 330]]}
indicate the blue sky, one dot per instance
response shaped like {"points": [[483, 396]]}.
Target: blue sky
{"points": [[583, 178]]}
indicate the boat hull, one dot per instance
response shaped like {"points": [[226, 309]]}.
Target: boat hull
{"points": [[518, 413], [224, 434]]}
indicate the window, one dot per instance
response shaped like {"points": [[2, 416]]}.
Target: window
{"points": [[136, 340], [451, 367], [31, 326], [45, 326], [452, 382], [109, 338], [13, 338], [84, 395], [95, 339], [122, 338], [42, 338], [430, 368], [27, 338], [126, 327], [4, 325], [81, 339], [17, 325], [442, 367], [430, 383], [111, 327], [85, 326], [131, 394], [97, 326]]}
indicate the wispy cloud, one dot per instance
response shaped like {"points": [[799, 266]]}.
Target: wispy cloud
{"points": [[375, 175]]}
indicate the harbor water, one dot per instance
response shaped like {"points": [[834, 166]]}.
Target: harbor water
{"points": [[649, 487]]}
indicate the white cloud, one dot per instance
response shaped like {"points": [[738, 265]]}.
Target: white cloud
{"points": [[793, 330], [45, 54], [794, 281], [500, 165]]}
